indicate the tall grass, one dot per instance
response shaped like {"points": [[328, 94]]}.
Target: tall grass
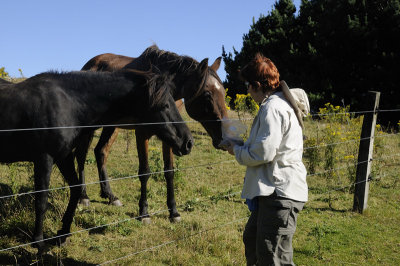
{"points": [[213, 215]]}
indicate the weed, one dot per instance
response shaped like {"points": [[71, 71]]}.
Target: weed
{"points": [[206, 235], [155, 164]]}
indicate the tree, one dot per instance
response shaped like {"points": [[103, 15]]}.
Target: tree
{"points": [[272, 35], [335, 49]]}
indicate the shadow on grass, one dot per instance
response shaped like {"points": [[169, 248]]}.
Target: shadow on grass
{"points": [[23, 257], [15, 203], [324, 209], [12, 224]]}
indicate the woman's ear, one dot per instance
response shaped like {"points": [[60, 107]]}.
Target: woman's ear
{"points": [[258, 85]]}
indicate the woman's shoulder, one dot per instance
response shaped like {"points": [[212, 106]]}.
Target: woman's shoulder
{"points": [[276, 101]]}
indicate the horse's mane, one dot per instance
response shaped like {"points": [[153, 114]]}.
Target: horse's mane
{"points": [[156, 85], [77, 76], [159, 86], [172, 62], [165, 60]]}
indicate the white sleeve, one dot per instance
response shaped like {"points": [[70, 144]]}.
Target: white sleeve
{"points": [[267, 141]]}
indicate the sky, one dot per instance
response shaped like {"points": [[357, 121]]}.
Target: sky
{"points": [[38, 36]]}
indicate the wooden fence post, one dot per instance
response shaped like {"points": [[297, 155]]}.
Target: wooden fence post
{"points": [[365, 153]]}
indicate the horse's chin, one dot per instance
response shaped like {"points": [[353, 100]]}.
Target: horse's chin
{"points": [[177, 152], [184, 149], [216, 144]]}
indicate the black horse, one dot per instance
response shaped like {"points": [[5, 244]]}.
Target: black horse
{"points": [[4, 82], [44, 118], [204, 96]]}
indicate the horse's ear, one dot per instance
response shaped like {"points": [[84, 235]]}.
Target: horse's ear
{"points": [[216, 64], [203, 66]]}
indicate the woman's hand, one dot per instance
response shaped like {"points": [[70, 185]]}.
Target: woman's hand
{"points": [[229, 148], [228, 145]]}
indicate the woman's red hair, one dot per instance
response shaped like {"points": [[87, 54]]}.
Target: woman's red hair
{"points": [[263, 70]]}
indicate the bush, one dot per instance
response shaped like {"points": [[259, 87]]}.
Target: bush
{"points": [[3, 73]]}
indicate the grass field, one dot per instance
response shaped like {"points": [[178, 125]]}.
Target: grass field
{"points": [[208, 189]]}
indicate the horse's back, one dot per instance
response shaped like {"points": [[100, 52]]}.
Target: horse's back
{"points": [[3, 81], [38, 102], [107, 62]]}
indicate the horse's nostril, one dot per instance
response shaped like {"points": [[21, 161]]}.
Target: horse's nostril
{"points": [[189, 145]]}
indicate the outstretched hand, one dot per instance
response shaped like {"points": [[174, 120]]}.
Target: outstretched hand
{"points": [[228, 145], [230, 148]]}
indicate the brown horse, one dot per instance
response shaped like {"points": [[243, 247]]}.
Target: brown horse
{"points": [[204, 99]]}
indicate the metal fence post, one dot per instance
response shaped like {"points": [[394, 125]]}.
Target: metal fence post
{"points": [[365, 153]]}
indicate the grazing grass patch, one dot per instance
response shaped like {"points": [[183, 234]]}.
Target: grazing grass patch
{"points": [[207, 188]]}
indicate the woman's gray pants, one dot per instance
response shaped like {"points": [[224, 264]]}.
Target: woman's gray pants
{"points": [[269, 231]]}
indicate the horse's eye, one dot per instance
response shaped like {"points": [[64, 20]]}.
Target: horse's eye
{"points": [[166, 106]]}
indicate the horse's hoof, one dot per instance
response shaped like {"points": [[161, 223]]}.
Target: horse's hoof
{"points": [[42, 250], [176, 219], [40, 245], [64, 242], [116, 203], [84, 202], [146, 220], [61, 239]]}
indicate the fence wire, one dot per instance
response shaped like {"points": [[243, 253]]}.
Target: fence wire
{"points": [[182, 169], [160, 123], [110, 224], [182, 205], [221, 225], [174, 241]]}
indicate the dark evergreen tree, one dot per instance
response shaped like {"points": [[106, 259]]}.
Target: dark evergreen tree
{"points": [[272, 35], [335, 49]]}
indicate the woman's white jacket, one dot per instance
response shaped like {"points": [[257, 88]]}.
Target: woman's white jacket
{"points": [[273, 153]]}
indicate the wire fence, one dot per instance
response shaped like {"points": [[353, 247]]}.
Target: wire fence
{"points": [[187, 168], [184, 169], [160, 123], [164, 210]]}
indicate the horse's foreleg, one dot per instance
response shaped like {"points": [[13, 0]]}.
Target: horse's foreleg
{"points": [[144, 174], [81, 154], [42, 172], [168, 158], [67, 169], [107, 138]]}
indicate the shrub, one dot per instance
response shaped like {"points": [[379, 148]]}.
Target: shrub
{"points": [[3, 73]]}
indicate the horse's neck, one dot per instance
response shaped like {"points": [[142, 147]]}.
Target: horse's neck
{"points": [[103, 101], [179, 90]]}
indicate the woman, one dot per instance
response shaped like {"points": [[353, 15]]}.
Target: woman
{"points": [[275, 186]]}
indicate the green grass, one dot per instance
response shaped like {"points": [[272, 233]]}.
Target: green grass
{"points": [[213, 215]]}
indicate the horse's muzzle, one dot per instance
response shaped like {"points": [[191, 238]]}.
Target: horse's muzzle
{"points": [[188, 147]]}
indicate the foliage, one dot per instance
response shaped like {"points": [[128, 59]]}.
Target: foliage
{"points": [[333, 144], [213, 214], [245, 104], [227, 100], [334, 49], [155, 164], [3, 73]]}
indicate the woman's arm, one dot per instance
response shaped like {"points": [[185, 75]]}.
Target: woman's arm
{"points": [[268, 139]]}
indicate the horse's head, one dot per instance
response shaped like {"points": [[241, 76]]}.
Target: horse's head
{"points": [[162, 116], [206, 103]]}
